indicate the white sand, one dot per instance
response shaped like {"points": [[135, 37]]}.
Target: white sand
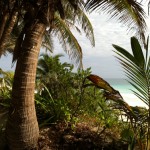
{"points": [[132, 100]]}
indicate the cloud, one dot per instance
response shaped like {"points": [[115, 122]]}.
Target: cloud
{"points": [[101, 57], [6, 62], [106, 67]]}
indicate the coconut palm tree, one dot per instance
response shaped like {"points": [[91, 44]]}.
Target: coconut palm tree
{"points": [[22, 131], [22, 128]]}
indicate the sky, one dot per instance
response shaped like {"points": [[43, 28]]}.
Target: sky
{"points": [[101, 57]]}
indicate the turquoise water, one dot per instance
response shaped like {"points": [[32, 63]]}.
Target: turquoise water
{"points": [[121, 85], [124, 88]]}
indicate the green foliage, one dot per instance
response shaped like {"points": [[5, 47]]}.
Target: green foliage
{"points": [[108, 116], [127, 135], [6, 81], [58, 88], [130, 13], [137, 69], [63, 95]]}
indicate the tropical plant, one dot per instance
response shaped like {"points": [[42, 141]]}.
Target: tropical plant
{"points": [[128, 12], [135, 115], [51, 72], [53, 83], [65, 96], [6, 81], [33, 38], [62, 93], [137, 69], [127, 135], [58, 88], [22, 128]]}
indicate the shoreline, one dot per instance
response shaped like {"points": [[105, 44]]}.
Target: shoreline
{"points": [[132, 100]]}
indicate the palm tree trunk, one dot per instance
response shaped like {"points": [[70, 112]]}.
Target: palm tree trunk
{"points": [[7, 29], [3, 22], [22, 129]]}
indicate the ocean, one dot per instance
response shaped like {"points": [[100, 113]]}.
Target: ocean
{"points": [[125, 90]]}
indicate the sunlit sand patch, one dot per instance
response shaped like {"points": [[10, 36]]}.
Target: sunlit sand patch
{"points": [[132, 100]]}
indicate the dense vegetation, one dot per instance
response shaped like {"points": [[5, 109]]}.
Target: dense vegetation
{"points": [[26, 26], [79, 105]]}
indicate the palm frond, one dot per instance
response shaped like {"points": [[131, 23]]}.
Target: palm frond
{"points": [[78, 16], [141, 98], [46, 62], [137, 52], [68, 40], [47, 42], [136, 69], [128, 12], [148, 67], [86, 26], [101, 83]]}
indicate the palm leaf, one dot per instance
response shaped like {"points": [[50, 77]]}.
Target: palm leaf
{"points": [[78, 16], [141, 97], [68, 40], [110, 93], [86, 26], [123, 53], [136, 69], [148, 67], [137, 52], [128, 12], [47, 42], [146, 48]]}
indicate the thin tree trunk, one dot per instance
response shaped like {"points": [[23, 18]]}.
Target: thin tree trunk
{"points": [[3, 22], [22, 130], [7, 30]]}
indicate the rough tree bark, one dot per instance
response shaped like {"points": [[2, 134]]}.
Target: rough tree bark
{"points": [[22, 129]]}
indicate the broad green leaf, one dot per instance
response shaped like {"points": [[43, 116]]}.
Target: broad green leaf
{"points": [[137, 52], [124, 52], [136, 68]]}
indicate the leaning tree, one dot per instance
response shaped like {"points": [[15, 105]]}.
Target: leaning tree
{"points": [[22, 127], [39, 17]]}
